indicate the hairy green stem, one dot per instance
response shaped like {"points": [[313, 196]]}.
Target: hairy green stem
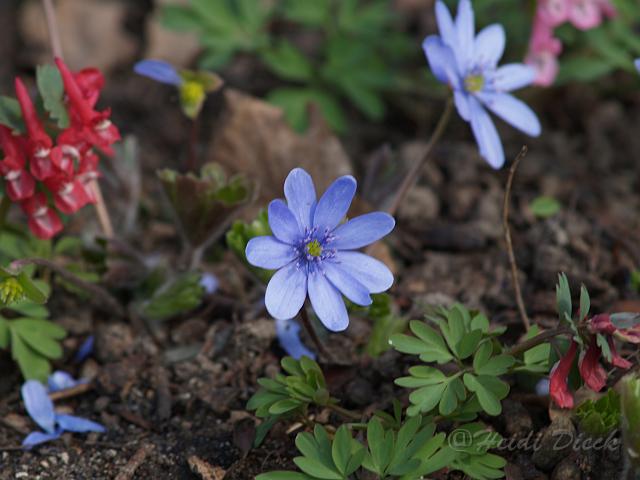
{"points": [[537, 340]]}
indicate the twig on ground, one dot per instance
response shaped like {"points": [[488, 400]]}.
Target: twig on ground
{"points": [[129, 470], [71, 392], [96, 290], [507, 239]]}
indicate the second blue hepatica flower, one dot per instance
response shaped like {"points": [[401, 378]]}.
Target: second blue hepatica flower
{"points": [[468, 63], [315, 253]]}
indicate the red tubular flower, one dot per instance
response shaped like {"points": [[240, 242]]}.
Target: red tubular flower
{"points": [[96, 126], [90, 81], [602, 324], [20, 185], [616, 359], [69, 195], [558, 387], [87, 173], [43, 221], [591, 371]]}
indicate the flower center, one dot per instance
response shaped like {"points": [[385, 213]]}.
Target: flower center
{"points": [[474, 83], [314, 248]]}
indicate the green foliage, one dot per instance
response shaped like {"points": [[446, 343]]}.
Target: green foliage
{"points": [[630, 409], [409, 452], [536, 359], [32, 338], [288, 395], [601, 417], [545, 207], [463, 337], [203, 205], [472, 443], [179, 295], [52, 92], [240, 234], [385, 324], [635, 280], [10, 114], [353, 58]]}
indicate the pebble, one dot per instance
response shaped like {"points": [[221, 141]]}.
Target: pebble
{"points": [[64, 456]]}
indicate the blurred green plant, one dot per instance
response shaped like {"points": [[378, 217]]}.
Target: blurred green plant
{"points": [[182, 294], [385, 324], [240, 234], [630, 406], [353, 53], [599, 418], [545, 207]]}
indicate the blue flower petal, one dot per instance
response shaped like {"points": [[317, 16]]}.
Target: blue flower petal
{"points": [[445, 25], [209, 282], [85, 350], [334, 203], [486, 134], [268, 252], [513, 76], [286, 291], [362, 231], [283, 223], [60, 380], [513, 111], [371, 273], [38, 404], [461, 100], [489, 45], [301, 196], [36, 438], [71, 423], [159, 71], [465, 28], [351, 288], [327, 303], [637, 64], [441, 61], [288, 332]]}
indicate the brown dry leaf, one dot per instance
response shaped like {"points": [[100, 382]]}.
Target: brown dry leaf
{"points": [[92, 33], [256, 140]]}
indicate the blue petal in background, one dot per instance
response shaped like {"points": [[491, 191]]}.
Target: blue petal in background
{"points": [[159, 71], [288, 332]]}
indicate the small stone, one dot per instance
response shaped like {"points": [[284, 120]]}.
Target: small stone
{"points": [[64, 456], [22, 475], [44, 464], [555, 444], [567, 469]]}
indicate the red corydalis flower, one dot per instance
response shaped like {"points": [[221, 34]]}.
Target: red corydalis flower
{"points": [[44, 222], [38, 142], [19, 184], [95, 126], [602, 324], [69, 194], [558, 387], [591, 371]]}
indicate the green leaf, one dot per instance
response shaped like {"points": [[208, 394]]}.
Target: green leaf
{"points": [[282, 475], [498, 365], [563, 297], [32, 365], [341, 449], [295, 104], [284, 406], [30, 288], [585, 302], [488, 400], [426, 398], [316, 469], [52, 91], [468, 344], [285, 60], [10, 114], [545, 207], [312, 14], [4, 333]]}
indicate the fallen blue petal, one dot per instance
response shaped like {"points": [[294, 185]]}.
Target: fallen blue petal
{"points": [[38, 405], [71, 423], [60, 380], [36, 438], [158, 70], [209, 282], [85, 350], [288, 332]]}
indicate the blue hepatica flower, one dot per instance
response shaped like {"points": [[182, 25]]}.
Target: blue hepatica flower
{"points": [[159, 70], [85, 350], [637, 64], [314, 253], [468, 63], [40, 408], [288, 332], [60, 380]]}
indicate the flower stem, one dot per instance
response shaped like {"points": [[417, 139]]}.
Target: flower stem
{"points": [[413, 174], [96, 291], [5, 205], [537, 340], [192, 155], [509, 243], [306, 323], [56, 49], [345, 413]]}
